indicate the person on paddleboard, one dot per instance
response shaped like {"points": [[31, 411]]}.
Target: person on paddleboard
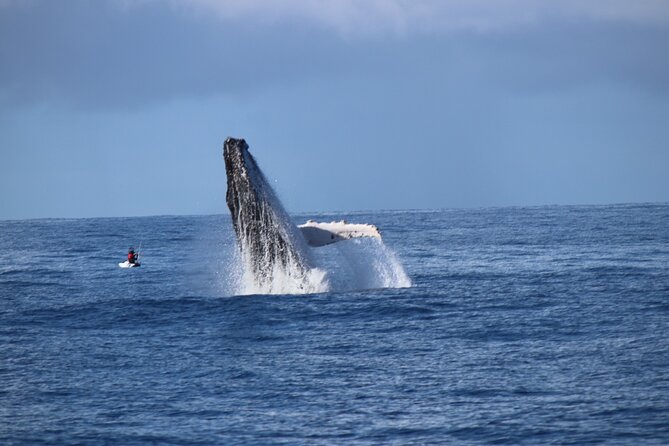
{"points": [[132, 257]]}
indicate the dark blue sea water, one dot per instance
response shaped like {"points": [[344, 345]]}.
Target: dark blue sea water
{"points": [[544, 325]]}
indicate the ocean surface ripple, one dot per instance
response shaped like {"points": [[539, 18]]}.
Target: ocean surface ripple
{"points": [[541, 325]]}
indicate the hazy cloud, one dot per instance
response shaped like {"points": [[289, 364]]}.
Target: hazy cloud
{"points": [[372, 17], [130, 53], [355, 17]]}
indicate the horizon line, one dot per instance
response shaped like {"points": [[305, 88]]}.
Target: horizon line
{"points": [[362, 211]]}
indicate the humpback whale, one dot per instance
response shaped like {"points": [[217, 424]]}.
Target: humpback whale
{"points": [[274, 249]]}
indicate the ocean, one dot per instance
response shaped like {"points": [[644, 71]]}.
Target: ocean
{"points": [[517, 325]]}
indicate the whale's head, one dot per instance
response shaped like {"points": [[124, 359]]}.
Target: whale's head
{"points": [[249, 197], [237, 159], [241, 170]]}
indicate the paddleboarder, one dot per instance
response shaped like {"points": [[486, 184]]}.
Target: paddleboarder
{"points": [[132, 257]]}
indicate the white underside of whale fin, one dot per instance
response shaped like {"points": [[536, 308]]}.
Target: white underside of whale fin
{"points": [[321, 234]]}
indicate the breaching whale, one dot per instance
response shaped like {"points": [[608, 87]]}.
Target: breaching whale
{"points": [[274, 249]]}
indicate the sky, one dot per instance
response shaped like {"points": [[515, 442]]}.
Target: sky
{"points": [[121, 107]]}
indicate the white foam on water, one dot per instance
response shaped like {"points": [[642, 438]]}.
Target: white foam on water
{"points": [[356, 264], [290, 279], [361, 263]]}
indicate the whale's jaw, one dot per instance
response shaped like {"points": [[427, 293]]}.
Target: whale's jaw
{"points": [[271, 246]]}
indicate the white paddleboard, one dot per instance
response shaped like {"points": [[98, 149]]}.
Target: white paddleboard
{"points": [[127, 264]]}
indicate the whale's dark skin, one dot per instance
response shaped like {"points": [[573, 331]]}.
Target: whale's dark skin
{"points": [[265, 234]]}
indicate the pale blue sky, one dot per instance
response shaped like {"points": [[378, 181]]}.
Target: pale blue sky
{"points": [[121, 107]]}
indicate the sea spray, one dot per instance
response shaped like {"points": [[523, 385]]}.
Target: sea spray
{"points": [[362, 263], [345, 266]]}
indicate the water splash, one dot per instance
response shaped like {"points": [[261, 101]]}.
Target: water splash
{"points": [[345, 266], [361, 263]]}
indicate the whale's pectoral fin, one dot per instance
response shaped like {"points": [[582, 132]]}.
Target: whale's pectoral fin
{"points": [[321, 234]]}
